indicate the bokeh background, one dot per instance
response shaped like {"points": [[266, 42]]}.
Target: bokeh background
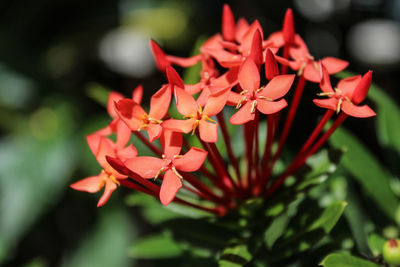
{"points": [[57, 58]]}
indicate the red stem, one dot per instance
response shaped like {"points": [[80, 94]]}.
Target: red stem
{"points": [[227, 140], [220, 211], [284, 68], [256, 144], [297, 163], [288, 124], [210, 195], [136, 187], [225, 184], [152, 147], [249, 137]]}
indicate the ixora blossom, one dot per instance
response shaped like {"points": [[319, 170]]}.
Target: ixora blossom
{"points": [[241, 67]]}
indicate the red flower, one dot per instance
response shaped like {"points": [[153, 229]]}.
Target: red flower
{"points": [[108, 177], [137, 119], [197, 117], [348, 94], [305, 64], [253, 97], [170, 164]]}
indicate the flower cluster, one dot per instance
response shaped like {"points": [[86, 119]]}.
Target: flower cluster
{"points": [[243, 70]]}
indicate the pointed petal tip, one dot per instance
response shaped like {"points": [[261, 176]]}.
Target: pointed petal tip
{"points": [[288, 27], [173, 77], [228, 23]]}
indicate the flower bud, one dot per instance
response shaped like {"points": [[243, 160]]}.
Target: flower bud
{"points": [[391, 252]]}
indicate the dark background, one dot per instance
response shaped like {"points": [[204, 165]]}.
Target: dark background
{"points": [[55, 56]]}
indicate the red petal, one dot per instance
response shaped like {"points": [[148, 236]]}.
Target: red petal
{"points": [[93, 141], [234, 98], [113, 97], [228, 24], [194, 88], [256, 52], [277, 39], [137, 94], [216, 102], [229, 79], [185, 103], [271, 66], [110, 188], [288, 27], [106, 148], [159, 103], [208, 131], [329, 103], [241, 28], [203, 97], [270, 107], [159, 56], [249, 76], [334, 65], [123, 134], [127, 153], [154, 131], [248, 37], [191, 161], [119, 166], [147, 167], [225, 58], [348, 85], [90, 184], [243, 115], [171, 143], [361, 91], [182, 126], [363, 111], [169, 187], [174, 78], [278, 86], [312, 74], [325, 83], [131, 113], [184, 62]]}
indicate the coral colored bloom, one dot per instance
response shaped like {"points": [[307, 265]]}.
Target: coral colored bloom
{"points": [[305, 64], [346, 97], [196, 116], [137, 119], [170, 164], [108, 177], [253, 97]]}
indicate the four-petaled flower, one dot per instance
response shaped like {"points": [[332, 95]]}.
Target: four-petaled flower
{"points": [[170, 164], [108, 177], [196, 115], [347, 95], [253, 97], [137, 119]]}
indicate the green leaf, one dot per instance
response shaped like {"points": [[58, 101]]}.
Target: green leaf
{"points": [[363, 166], [308, 228], [329, 217], [237, 254], [278, 225], [106, 243], [375, 243], [98, 93], [203, 233], [155, 247], [345, 260]]}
